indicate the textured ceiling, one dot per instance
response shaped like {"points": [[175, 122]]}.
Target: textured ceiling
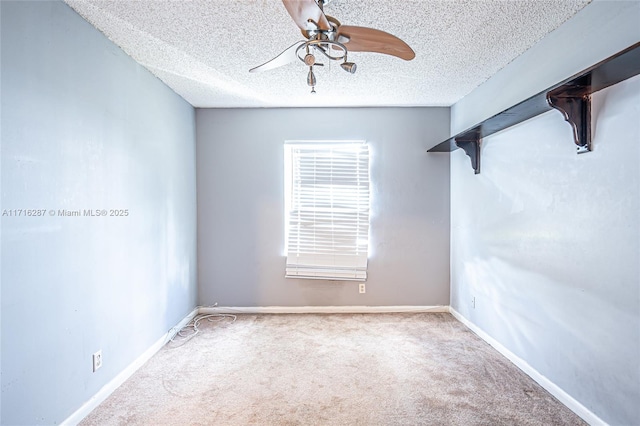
{"points": [[203, 49]]}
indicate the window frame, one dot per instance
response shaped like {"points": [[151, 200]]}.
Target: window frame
{"points": [[356, 270]]}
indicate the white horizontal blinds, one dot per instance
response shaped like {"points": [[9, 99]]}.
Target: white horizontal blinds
{"points": [[329, 212]]}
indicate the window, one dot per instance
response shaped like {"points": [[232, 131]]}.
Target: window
{"points": [[327, 207]]}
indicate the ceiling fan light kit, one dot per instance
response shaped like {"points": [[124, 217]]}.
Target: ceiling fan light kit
{"points": [[349, 67], [326, 37]]}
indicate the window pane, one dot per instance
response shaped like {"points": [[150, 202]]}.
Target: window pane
{"points": [[328, 223]]}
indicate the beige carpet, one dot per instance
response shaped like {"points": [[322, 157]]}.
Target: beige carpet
{"points": [[338, 369]]}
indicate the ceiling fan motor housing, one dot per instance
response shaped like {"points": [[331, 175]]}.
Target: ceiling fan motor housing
{"points": [[319, 34]]}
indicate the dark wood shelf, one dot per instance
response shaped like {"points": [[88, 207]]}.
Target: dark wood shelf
{"points": [[572, 97]]}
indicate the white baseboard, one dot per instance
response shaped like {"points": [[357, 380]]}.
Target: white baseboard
{"points": [[551, 387], [108, 389], [321, 309]]}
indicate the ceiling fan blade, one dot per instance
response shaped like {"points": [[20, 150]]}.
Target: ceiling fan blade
{"points": [[303, 10], [289, 55], [363, 39]]}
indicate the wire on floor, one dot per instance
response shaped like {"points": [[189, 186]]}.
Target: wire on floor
{"points": [[192, 328]]}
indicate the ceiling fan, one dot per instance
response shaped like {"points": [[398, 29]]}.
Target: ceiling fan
{"points": [[326, 37]]}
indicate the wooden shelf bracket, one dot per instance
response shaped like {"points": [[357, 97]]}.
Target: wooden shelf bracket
{"points": [[574, 102], [470, 143]]}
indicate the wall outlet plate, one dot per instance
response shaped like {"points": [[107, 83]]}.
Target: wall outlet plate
{"points": [[97, 360], [362, 288]]}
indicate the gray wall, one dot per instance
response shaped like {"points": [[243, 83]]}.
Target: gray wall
{"points": [[547, 241], [85, 127], [240, 175]]}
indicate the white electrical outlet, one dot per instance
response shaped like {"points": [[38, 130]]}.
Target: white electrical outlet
{"points": [[97, 360], [362, 288], [473, 302]]}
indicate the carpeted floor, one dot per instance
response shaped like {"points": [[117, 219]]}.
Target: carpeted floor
{"points": [[335, 369]]}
